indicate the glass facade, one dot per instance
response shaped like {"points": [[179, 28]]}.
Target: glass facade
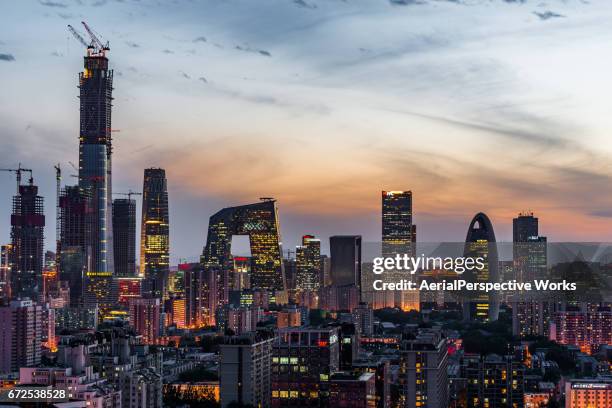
{"points": [[260, 222], [155, 233]]}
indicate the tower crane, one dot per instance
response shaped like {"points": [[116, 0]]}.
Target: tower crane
{"points": [[95, 47], [18, 171], [78, 36], [94, 39], [129, 194]]}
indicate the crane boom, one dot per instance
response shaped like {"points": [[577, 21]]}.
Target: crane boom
{"points": [[129, 194], [17, 172], [78, 36], [94, 39]]}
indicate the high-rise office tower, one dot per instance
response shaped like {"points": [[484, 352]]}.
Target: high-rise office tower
{"points": [[345, 251], [155, 233], [308, 263], [480, 243], [245, 370], [397, 227], [260, 222], [398, 237], [124, 240], [21, 326], [530, 316], [529, 249], [95, 151], [423, 370], [27, 240], [524, 226], [75, 218]]}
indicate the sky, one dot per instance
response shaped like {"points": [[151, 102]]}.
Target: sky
{"points": [[497, 106]]}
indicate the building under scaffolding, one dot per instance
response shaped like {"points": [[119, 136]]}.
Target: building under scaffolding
{"points": [[95, 150], [27, 240]]}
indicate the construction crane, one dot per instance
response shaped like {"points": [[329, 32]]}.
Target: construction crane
{"points": [[78, 36], [18, 171], [95, 47], [94, 39], [129, 194]]}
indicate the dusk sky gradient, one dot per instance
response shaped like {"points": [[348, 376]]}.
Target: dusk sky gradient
{"points": [[497, 106]]}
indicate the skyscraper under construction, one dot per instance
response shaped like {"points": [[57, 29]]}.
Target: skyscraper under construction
{"points": [[95, 151], [27, 238], [155, 233]]}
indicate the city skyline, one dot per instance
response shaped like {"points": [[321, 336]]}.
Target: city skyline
{"points": [[293, 92], [244, 233]]}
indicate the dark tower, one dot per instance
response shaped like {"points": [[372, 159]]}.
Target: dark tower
{"points": [[523, 227], [124, 240], [345, 252], [75, 217], [27, 240], [480, 242], [529, 255], [155, 233]]}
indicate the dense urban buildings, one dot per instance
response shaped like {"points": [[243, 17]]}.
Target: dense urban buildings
{"points": [[269, 328], [155, 233], [260, 222]]}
